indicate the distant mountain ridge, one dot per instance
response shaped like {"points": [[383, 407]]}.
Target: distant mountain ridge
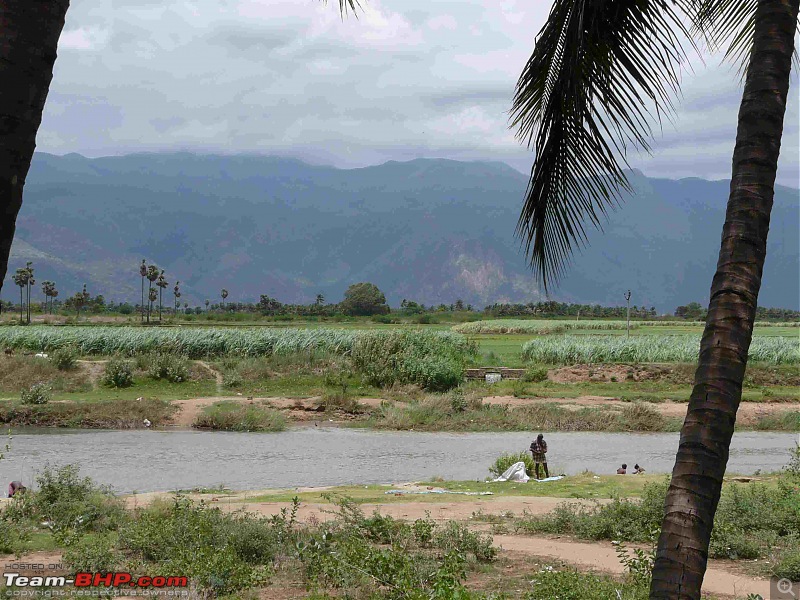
{"points": [[430, 230]]}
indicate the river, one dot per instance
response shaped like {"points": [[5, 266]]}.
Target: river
{"points": [[145, 460]]}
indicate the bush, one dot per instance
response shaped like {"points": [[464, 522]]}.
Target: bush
{"points": [[788, 564], [232, 416], [431, 360], [93, 553], [38, 393], [117, 373], [64, 358], [504, 461], [168, 367], [69, 504], [199, 542], [535, 374], [12, 537], [574, 585]]}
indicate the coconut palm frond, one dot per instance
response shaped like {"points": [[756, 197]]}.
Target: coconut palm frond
{"points": [[601, 74], [730, 24], [346, 6]]}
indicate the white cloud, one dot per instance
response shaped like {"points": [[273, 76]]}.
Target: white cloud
{"points": [[408, 78]]}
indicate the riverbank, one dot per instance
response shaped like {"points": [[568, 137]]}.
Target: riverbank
{"points": [[413, 532]]}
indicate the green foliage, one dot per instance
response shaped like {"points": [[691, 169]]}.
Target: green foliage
{"points": [[788, 563], [200, 543], [232, 416], [38, 393], [504, 461], [535, 374], [574, 585], [168, 367], [535, 326], [93, 553], [434, 361], [571, 349], [69, 504], [364, 299], [117, 373], [64, 358], [12, 536]]}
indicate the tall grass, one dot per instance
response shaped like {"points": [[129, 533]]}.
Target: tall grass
{"points": [[207, 342], [536, 326], [571, 349]]}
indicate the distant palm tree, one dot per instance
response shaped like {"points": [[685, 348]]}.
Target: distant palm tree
{"points": [[320, 300], [185, 306], [161, 283], [207, 303], [29, 282], [21, 279], [53, 296], [177, 293], [224, 294], [598, 71], [152, 276], [152, 296], [47, 289], [143, 273], [80, 299]]}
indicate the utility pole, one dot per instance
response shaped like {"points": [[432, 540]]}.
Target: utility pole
{"points": [[628, 314]]}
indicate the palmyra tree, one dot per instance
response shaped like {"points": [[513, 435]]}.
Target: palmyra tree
{"points": [[224, 294], [583, 96], [21, 279], [161, 282], [176, 291], [80, 299], [48, 287], [143, 274], [152, 276]]}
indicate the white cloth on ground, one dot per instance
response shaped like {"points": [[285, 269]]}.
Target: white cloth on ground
{"points": [[515, 472]]}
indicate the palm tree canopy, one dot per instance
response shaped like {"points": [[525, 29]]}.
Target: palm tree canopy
{"points": [[601, 74]]}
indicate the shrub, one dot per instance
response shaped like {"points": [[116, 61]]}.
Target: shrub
{"points": [[93, 553], [38, 393], [117, 373], [458, 537], [64, 358], [535, 374], [168, 367], [198, 542], [12, 537], [574, 585], [788, 564], [232, 416], [69, 504], [504, 461]]}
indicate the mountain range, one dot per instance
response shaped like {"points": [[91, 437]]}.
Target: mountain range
{"points": [[426, 230]]}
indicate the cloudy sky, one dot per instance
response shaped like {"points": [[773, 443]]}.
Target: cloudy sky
{"points": [[407, 79]]}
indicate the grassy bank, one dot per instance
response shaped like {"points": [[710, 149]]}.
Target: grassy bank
{"points": [[455, 413], [103, 414]]}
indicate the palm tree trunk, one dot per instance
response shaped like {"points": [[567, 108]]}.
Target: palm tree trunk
{"points": [[160, 290], [142, 306], [20, 305], [706, 435], [29, 32]]}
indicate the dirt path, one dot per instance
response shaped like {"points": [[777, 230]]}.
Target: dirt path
{"points": [[603, 557]]}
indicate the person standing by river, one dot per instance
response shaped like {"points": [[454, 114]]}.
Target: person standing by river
{"points": [[539, 454]]}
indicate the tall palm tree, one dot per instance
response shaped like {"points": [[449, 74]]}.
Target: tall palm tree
{"points": [[320, 300], [580, 101], [207, 303], [29, 282], [143, 274], [21, 279], [152, 296], [176, 291], [29, 32], [161, 283], [53, 296], [224, 294], [152, 276], [47, 290], [81, 299]]}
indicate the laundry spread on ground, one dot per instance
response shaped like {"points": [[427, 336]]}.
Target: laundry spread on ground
{"points": [[436, 491], [517, 473]]}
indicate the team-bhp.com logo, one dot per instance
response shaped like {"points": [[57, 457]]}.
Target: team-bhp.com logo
{"points": [[89, 580]]}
